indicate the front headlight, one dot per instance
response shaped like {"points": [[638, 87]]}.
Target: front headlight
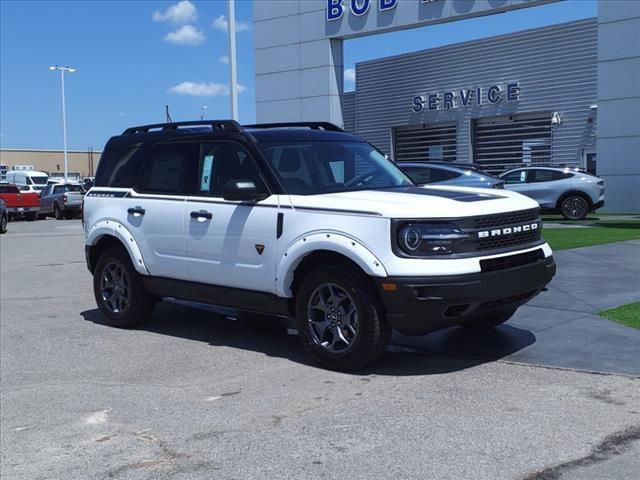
{"points": [[429, 238]]}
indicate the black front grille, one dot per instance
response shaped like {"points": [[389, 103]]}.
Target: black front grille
{"points": [[499, 232], [511, 261], [508, 241], [507, 219]]}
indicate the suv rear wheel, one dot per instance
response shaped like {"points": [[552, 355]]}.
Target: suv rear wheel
{"points": [[3, 223], [574, 207], [340, 319], [118, 289]]}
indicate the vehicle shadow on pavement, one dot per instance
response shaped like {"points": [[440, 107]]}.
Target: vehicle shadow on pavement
{"points": [[447, 351]]}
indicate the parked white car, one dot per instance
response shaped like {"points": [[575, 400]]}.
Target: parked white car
{"points": [[566, 191], [303, 220]]}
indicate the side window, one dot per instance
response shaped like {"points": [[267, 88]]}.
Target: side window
{"points": [[169, 168], [225, 161], [519, 176], [438, 175], [119, 167], [419, 175], [556, 175], [538, 176]]}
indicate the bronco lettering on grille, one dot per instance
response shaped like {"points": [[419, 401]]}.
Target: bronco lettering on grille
{"points": [[498, 232]]}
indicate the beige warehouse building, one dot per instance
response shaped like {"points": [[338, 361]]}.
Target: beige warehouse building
{"points": [[82, 163]]}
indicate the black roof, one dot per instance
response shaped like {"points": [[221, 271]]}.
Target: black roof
{"points": [[273, 132]]}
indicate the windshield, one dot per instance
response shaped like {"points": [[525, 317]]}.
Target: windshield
{"points": [[41, 180], [307, 168]]}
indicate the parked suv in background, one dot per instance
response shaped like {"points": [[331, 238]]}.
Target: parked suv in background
{"points": [[303, 220], [558, 190], [425, 173]]}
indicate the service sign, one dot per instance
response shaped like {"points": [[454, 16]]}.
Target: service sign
{"points": [[466, 97]]}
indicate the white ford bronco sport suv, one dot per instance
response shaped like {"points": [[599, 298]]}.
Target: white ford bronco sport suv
{"points": [[307, 221]]}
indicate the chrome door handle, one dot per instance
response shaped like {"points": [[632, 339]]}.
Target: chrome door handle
{"points": [[201, 214], [136, 211]]}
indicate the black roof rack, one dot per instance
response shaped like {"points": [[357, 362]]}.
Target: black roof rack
{"points": [[330, 127], [217, 125]]}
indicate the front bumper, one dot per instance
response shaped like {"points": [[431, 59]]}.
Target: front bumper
{"points": [[420, 305]]}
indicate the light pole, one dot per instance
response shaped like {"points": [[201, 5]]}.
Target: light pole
{"points": [[64, 115], [233, 85], [202, 109]]}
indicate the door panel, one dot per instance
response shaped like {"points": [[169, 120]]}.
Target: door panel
{"points": [[159, 233], [230, 243], [234, 248], [156, 214]]}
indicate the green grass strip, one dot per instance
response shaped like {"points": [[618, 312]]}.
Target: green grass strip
{"points": [[628, 315], [565, 238]]}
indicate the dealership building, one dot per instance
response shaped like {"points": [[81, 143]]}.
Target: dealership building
{"points": [[566, 94]]}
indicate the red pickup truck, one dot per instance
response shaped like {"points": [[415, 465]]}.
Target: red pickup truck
{"points": [[20, 203]]}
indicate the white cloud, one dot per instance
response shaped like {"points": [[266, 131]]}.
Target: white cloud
{"points": [[203, 89], [179, 13], [224, 60], [185, 35], [222, 24], [350, 75]]}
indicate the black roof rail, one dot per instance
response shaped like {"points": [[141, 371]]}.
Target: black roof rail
{"points": [[330, 127], [217, 125]]}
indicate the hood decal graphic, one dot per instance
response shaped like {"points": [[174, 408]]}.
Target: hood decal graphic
{"points": [[456, 196]]}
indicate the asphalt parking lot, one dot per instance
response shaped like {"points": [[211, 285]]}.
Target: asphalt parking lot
{"points": [[194, 394]]}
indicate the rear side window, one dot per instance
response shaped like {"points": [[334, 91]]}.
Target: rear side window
{"points": [[169, 169], [9, 189], [119, 167]]}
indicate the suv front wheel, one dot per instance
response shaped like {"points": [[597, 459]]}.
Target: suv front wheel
{"points": [[118, 289], [340, 319]]}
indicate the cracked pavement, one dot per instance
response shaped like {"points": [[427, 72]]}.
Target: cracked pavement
{"points": [[196, 395]]}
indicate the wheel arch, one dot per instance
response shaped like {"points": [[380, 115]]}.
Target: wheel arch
{"points": [[571, 193], [107, 234], [317, 249]]}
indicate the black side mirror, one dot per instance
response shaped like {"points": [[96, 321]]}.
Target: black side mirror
{"points": [[242, 191]]}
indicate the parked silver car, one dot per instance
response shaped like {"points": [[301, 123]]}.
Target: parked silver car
{"points": [[569, 192], [464, 175]]}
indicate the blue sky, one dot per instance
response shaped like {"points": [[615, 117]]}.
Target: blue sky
{"points": [[133, 57]]}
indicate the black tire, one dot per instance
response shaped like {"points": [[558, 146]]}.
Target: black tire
{"points": [[488, 322], [372, 332], [139, 304], [57, 213], [3, 223], [575, 207], [69, 216], [30, 216]]}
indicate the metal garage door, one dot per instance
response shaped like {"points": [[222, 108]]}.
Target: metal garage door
{"points": [[512, 141], [436, 142]]}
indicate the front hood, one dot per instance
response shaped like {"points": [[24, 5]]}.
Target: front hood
{"points": [[418, 202]]}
